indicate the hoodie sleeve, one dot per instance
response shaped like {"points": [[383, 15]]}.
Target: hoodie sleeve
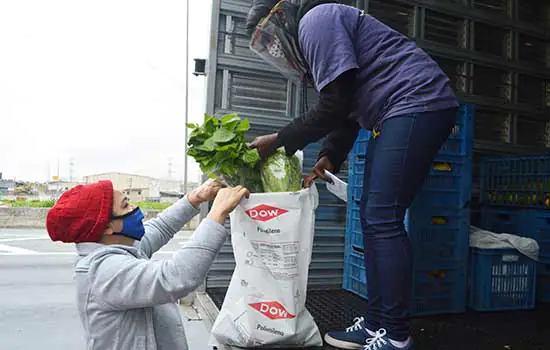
{"points": [[121, 281], [161, 230]]}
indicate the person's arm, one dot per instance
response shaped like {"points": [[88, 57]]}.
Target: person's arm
{"points": [[330, 113], [161, 229], [339, 142], [123, 282]]}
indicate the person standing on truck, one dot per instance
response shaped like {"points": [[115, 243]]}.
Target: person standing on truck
{"points": [[369, 76], [125, 300]]}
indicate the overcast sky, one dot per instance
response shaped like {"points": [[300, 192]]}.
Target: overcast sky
{"points": [[100, 81]]}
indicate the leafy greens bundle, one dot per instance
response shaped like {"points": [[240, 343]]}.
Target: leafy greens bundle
{"points": [[219, 146]]}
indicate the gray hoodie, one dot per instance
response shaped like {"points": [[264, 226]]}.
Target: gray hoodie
{"points": [[126, 300]]}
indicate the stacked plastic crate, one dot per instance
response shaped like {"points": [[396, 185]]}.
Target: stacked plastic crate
{"points": [[437, 223], [515, 198]]}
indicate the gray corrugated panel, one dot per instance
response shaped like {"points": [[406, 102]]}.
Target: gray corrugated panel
{"points": [[455, 70], [531, 131], [237, 6], [445, 29], [532, 90], [476, 57], [491, 40], [534, 51], [535, 11], [492, 82], [492, 125], [494, 18], [500, 7], [400, 17]]}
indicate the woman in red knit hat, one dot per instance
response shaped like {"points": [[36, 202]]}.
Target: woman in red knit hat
{"points": [[125, 300]]}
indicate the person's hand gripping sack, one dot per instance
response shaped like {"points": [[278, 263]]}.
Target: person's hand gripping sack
{"points": [[226, 200], [318, 171], [204, 193]]}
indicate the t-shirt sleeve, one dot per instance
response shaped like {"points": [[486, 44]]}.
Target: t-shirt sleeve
{"points": [[327, 39]]}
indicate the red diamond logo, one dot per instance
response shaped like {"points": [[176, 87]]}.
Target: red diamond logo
{"points": [[265, 212], [272, 309]]}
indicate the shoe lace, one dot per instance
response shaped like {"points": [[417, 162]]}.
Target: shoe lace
{"points": [[376, 342], [357, 325]]}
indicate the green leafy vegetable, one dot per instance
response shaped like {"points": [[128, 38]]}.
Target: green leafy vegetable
{"points": [[281, 173], [219, 147]]}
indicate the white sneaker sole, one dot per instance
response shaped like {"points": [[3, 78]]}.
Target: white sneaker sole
{"points": [[342, 344]]}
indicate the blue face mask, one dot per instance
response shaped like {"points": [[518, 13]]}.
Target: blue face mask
{"points": [[132, 224]]}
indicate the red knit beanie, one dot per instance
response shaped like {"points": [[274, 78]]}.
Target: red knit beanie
{"points": [[81, 214]]}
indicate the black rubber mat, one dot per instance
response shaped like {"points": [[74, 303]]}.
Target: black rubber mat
{"points": [[517, 330]]}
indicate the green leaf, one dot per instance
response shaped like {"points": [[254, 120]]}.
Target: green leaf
{"points": [[210, 124], [233, 147], [208, 146], [192, 126], [222, 136], [244, 126], [209, 167], [251, 157], [230, 121]]}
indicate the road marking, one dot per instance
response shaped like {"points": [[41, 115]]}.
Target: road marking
{"points": [[16, 250], [34, 253], [23, 239]]}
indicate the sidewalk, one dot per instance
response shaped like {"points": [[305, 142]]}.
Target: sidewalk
{"points": [[196, 328]]}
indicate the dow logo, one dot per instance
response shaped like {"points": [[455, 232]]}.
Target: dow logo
{"points": [[272, 309], [265, 212]]}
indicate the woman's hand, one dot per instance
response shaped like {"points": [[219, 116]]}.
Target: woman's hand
{"points": [[227, 200], [319, 171], [204, 193]]}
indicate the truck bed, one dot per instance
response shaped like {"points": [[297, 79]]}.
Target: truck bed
{"points": [[518, 330]]}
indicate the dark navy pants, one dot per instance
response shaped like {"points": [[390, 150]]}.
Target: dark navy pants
{"points": [[397, 163]]}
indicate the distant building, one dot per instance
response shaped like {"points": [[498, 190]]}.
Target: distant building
{"points": [[143, 188], [60, 186], [7, 186]]}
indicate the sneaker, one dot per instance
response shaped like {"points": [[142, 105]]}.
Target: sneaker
{"points": [[353, 337], [381, 342]]}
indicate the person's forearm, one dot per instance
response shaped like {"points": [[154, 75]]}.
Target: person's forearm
{"points": [[339, 142], [161, 229]]}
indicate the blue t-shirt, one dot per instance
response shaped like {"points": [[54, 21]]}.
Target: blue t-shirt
{"points": [[394, 76]]}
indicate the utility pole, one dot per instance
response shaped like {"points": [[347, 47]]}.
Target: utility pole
{"points": [[186, 93]]}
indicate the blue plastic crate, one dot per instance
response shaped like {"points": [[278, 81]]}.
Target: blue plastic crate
{"points": [[449, 183], [537, 226], [439, 237], [357, 167], [501, 279], [353, 229], [460, 142], [435, 290], [355, 277], [439, 290], [516, 181], [543, 283], [361, 143], [503, 220]]}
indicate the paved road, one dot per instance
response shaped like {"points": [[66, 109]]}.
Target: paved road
{"points": [[37, 308]]}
